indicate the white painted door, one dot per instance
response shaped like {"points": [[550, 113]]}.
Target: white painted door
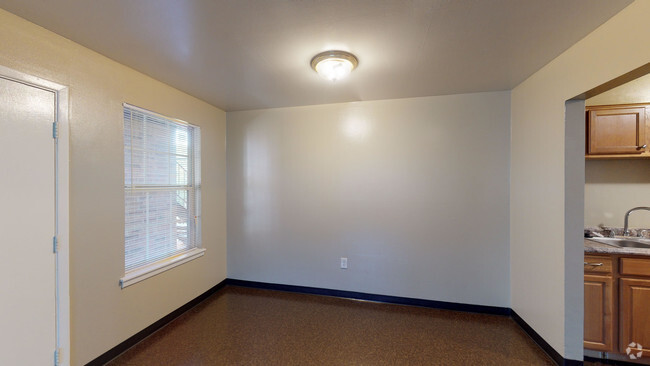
{"points": [[27, 224]]}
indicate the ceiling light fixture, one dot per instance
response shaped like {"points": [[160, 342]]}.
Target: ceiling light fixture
{"points": [[334, 65]]}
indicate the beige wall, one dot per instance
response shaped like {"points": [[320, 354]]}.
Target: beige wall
{"points": [[102, 314], [545, 260], [614, 186], [636, 91], [414, 192]]}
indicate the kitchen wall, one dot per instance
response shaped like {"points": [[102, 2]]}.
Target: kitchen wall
{"points": [[103, 315], [414, 192], [545, 258], [635, 91], [614, 186]]}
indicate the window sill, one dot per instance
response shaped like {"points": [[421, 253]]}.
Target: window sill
{"points": [[134, 276]]}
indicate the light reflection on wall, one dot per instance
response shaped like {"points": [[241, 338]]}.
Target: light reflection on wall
{"points": [[355, 128], [257, 180], [30, 101]]}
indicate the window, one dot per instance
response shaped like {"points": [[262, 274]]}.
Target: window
{"points": [[162, 194]]}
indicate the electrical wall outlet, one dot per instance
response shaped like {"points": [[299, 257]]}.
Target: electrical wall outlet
{"points": [[344, 263]]}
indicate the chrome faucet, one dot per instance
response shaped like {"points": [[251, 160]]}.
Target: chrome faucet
{"points": [[626, 231]]}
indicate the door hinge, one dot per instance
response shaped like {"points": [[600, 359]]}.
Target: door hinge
{"points": [[55, 244], [57, 357], [55, 130]]}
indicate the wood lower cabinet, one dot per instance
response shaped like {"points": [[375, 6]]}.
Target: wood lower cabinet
{"points": [[635, 314], [600, 304], [617, 303], [599, 313]]}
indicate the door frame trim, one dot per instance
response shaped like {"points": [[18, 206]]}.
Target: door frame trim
{"points": [[62, 153]]}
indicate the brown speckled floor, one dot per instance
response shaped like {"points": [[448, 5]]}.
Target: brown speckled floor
{"points": [[242, 326]]}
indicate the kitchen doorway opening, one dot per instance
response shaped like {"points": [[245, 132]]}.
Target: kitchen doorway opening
{"points": [[599, 187]]}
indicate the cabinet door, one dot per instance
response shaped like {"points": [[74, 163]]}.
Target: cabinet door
{"points": [[616, 131], [599, 307], [635, 314]]}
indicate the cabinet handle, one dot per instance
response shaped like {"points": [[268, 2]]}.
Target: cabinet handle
{"points": [[642, 147], [593, 264]]}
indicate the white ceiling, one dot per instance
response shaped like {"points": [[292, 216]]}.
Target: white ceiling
{"points": [[249, 54]]}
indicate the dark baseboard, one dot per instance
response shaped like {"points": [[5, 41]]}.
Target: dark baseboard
{"points": [[484, 309], [542, 343], [133, 340]]}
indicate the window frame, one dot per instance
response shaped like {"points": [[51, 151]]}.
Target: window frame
{"points": [[193, 187]]}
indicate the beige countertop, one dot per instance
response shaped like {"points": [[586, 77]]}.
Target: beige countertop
{"points": [[594, 247]]}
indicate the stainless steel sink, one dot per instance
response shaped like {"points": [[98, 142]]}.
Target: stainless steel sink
{"points": [[623, 242]]}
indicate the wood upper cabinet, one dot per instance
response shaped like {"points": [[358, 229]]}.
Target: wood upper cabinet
{"points": [[635, 314], [617, 131], [599, 313]]}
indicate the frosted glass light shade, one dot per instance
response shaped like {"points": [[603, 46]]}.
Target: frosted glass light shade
{"points": [[334, 65]]}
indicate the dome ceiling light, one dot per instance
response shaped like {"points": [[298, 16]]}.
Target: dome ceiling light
{"points": [[334, 65]]}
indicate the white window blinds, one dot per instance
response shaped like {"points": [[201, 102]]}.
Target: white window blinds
{"points": [[162, 187]]}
